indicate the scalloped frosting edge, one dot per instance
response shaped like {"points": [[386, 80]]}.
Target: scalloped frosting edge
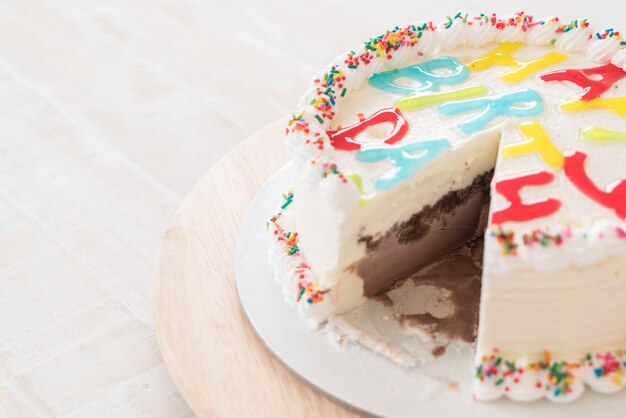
{"points": [[555, 379]]}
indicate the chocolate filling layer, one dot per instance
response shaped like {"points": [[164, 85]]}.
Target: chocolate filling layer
{"points": [[461, 278], [449, 294], [425, 237]]}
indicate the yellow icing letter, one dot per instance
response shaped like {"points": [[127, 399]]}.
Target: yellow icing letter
{"points": [[614, 104], [539, 142], [501, 56]]}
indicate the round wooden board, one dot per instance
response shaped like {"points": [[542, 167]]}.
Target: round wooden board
{"points": [[213, 354]]}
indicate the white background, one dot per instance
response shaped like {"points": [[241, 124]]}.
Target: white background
{"points": [[110, 111]]}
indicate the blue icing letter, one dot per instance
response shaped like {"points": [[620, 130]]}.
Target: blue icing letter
{"points": [[424, 73], [407, 159], [519, 104]]}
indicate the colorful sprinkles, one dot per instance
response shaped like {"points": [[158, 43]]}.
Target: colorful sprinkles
{"points": [[555, 377], [385, 44], [331, 84], [520, 19], [510, 241], [297, 124], [609, 33], [289, 239], [329, 169], [583, 24], [545, 239], [307, 289], [506, 239], [483, 19], [325, 98], [451, 20]]}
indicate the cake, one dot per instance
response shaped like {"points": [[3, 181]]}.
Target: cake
{"points": [[432, 134]]}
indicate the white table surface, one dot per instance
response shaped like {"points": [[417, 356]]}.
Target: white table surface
{"points": [[110, 111]]}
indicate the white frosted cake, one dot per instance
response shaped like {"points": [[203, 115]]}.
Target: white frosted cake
{"points": [[430, 134]]}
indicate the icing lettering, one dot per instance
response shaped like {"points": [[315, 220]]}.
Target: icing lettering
{"points": [[430, 75], [539, 142], [407, 159], [518, 210], [519, 104], [614, 104], [501, 56], [346, 139], [601, 134], [594, 81], [420, 100], [613, 198]]}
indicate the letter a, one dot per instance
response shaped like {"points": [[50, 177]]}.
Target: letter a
{"points": [[605, 77]]}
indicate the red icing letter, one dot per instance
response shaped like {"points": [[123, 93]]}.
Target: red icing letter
{"points": [[613, 198], [608, 75], [518, 211], [345, 138]]}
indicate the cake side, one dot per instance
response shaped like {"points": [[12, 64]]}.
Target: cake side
{"points": [[554, 281]]}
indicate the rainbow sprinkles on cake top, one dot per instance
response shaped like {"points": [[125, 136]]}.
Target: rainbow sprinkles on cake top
{"points": [[404, 144]]}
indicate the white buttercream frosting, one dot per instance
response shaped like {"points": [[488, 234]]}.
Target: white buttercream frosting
{"points": [[427, 43], [543, 32], [619, 59], [480, 32], [603, 50], [451, 34], [575, 37], [511, 34], [513, 28]]}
